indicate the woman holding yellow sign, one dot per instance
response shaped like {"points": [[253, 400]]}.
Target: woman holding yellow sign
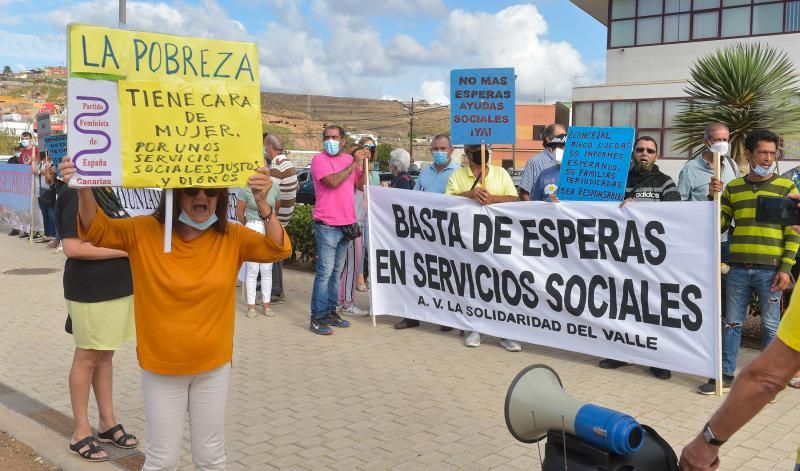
{"points": [[184, 308]]}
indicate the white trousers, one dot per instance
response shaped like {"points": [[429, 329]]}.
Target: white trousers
{"points": [[167, 398], [252, 272]]}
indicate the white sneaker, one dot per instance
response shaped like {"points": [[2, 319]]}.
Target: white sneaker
{"points": [[473, 339], [510, 345], [60, 248], [354, 310]]}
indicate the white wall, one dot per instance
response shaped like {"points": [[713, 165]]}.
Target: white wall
{"points": [[672, 61]]}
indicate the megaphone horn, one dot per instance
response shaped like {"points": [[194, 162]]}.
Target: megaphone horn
{"points": [[536, 402]]}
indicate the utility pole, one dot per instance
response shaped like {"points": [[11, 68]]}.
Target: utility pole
{"points": [[411, 131], [123, 17]]}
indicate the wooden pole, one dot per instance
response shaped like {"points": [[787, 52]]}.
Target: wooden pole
{"points": [[483, 165], [33, 213], [718, 285]]}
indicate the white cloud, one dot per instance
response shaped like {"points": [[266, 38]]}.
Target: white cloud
{"points": [[434, 91], [381, 7], [31, 47]]}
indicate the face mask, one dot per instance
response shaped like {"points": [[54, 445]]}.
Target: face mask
{"points": [[763, 172], [558, 154], [440, 157], [643, 166], [331, 146], [25, 143], [200, 226], [721, 147]]}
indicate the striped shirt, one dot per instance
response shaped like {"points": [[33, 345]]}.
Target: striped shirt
{"points": [[541, 161], [282, 169], [756, 242]]}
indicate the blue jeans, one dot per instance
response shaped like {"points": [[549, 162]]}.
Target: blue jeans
{"points": [[742, 281], [331, 250], [725, 249], [48, 219]]}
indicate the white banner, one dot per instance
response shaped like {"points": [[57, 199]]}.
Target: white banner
{"points": [[636, 283], [144, 201]]}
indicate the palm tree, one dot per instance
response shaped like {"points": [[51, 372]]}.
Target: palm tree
{"points": [[745, 86]]}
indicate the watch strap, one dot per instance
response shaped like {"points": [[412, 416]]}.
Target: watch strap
{"points": [[710, 437]]}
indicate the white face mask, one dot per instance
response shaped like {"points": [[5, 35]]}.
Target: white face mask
{"points": [[721, 147], [558, 154]]}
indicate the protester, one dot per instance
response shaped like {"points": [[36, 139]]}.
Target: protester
{"points": [[646, 183], [542, 160], [46, 198], [247, 214], [757, 384], [28, 152], [185, 308], [433, 179], [498, 189], [51, 179], [546, 186], [98, 291], [15, 159], [334, 174], [761, 255], [399, 160], [284, 175], [354, 257]]}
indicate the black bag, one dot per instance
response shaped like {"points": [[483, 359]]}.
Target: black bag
{"points": [[68, 325], [351, 231], [48, 198]]}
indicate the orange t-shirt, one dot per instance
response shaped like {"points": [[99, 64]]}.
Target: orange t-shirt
{"points": [[184, 301]]}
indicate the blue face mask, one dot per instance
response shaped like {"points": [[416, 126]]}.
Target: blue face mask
{"points": [[763, 172], [200, 226], [440, 157], [331, 146]]}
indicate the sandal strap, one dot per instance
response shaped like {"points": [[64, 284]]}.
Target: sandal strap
{"points": [[90, 443], [109, 434], [122, 440]]}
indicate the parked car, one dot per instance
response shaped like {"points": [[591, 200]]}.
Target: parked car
{"points": [[516, 175]]}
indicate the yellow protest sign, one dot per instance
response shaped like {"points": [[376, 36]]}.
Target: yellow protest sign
{"points": [[157, 110]]}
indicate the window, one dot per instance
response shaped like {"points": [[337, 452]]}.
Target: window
{"points": [[792, 16], [705, 25], [676, 28], [601, 116], [670, 148], [671, 109], [582, 114], [734, 3], [648, 30], [537, 132], [623, 9], [705, 4], [735, 22], [650, 114], [768, 18], [624, 114], [675, 6], [622, 33], [648, 7]]}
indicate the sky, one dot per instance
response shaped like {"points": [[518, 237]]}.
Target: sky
{"points": [[390, 49]]}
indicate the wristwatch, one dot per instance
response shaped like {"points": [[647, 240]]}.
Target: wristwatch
{"points": [[711, 439], [267, 217]]}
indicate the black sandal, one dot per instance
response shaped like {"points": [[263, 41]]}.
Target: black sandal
{"points": [[92, 449], [119, 442]]}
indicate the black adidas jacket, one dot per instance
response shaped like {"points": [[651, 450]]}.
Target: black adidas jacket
{"points": [[654, 185]]}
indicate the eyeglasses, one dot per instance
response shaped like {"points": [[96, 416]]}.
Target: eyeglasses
{"points": [[210, 192], [369, 147], [560, 145], [649, 150]]}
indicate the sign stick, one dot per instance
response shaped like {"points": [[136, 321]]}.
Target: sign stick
{"points": [[718, 256], [168, 221], [483, 165], [33, 213]]}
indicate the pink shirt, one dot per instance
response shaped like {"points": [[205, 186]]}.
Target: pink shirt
{"points": [[334, 206]]}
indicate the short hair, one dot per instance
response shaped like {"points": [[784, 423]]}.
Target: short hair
{"points": [[27, 134], [648, 139], [442, 136], [550, 130], [757, 135], [713, 126], [274, 141], [333, 126], [400, 158]]}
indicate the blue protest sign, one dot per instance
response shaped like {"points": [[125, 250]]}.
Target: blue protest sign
{"points": [[482, 107], [56, 146], [596, 163]]}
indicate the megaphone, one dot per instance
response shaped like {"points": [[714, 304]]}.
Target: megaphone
{"points": [[536, 403]]}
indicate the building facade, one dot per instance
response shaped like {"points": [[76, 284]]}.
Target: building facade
{"points": [[651, 46], [530, 120]]}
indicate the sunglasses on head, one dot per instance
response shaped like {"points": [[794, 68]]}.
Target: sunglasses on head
{"points": [[645, 149], [210, 192]]}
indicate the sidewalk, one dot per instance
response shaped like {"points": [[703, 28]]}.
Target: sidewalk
{"points": [[364, 398]]}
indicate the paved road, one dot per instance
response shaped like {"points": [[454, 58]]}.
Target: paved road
{"points": [[365, 398]]}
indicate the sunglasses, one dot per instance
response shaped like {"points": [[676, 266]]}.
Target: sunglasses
{"points": [[369, 147], [210, 192], [645, 149]]}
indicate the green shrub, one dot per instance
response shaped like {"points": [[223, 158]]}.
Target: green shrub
{"points": [[301, 233]]}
